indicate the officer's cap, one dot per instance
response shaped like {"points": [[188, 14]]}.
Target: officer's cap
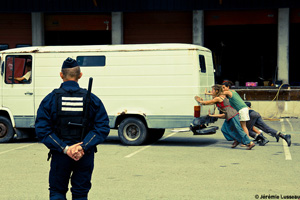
{"points": [[69, 63]]}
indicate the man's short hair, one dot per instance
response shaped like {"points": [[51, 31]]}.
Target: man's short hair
{"points": [[73, 72], [248, 104]]}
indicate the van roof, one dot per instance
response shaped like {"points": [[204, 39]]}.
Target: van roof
{"points": [[105, 48]]}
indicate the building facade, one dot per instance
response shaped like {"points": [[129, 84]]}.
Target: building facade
{"points": [[252, 41]]}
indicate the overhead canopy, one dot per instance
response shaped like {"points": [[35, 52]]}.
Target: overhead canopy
{"points": [[139, 5]]}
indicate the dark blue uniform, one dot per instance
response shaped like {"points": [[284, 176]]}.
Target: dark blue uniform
{"points": [[62, 166]]}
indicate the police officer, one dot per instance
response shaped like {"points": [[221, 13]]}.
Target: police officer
{"points": [[59, 125]]}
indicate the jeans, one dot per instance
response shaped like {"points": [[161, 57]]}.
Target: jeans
{"points": [[257, 121]]}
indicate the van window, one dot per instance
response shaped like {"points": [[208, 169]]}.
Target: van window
{"points": [[18, 69], [202, 63], [91, 61]]}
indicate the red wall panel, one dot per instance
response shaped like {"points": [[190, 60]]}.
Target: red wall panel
{"points": [[158, 27], [79, 22], [15, 29], [295, 15]]}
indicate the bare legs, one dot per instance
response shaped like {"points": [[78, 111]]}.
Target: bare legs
{"points": [[243, 124]]}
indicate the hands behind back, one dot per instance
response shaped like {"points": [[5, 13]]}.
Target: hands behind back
{"points": [[75, 151]]}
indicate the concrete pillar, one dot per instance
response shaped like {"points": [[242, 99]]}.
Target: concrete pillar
{"points": [[198, 27], [37, 24], [117, 28], [283, 45]]}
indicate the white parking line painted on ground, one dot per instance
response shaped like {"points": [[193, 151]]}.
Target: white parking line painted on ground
{"points": [[3, 152], [136, 152], [286, 149], [146, 147], [292, 128]]}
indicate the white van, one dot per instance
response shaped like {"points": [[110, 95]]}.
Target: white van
{"points": [[145, 88]]}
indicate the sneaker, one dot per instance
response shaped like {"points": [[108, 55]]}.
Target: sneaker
{"points": [[287, 138], [264, 140]]}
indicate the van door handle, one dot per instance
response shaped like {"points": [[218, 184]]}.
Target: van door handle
{"points": [[28, 93]]}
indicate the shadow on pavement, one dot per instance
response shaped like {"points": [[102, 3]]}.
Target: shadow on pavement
{"points": [[188, 142], [173, 141]]}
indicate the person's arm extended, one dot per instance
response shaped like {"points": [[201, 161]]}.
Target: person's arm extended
{"points": [[209, 102], [228, 93], [207, 92], [19, 78], [217, 115]]}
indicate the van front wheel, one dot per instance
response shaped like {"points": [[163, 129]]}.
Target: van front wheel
{"points": [[6, 130], [132, 131]]}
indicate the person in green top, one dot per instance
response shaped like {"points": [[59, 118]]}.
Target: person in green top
{"points": [[231, 128], [237, 103]]}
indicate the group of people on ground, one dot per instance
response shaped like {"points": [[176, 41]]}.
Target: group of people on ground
{"points": [[240, 120]]}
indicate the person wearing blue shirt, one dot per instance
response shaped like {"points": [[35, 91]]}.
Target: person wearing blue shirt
{"points": [[59, 125]]}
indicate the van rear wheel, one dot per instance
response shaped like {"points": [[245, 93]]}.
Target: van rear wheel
{"points": [[6, 130], [132, 131]]}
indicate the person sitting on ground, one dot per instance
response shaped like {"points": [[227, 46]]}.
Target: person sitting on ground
{"points": [[257, 121]]}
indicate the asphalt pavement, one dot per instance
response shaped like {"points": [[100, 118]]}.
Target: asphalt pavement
{"points": [[179, 166]]}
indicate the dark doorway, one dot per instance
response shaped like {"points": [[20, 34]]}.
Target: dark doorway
{"points": [[243, 53], [77, 37], [294, 55]]}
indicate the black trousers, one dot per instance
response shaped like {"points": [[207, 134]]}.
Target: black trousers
{"points": [[257, 121], [63, 168]]}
